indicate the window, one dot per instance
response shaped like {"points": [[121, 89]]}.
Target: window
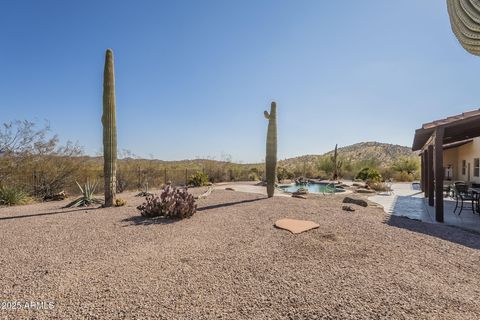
{"points": [[464, 167], [476, 167]]}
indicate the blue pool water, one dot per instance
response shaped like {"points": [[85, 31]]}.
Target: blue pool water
{"points": [[312, 187]]}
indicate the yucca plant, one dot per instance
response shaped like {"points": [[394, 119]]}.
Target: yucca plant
{"points": [[11, 196], [87, 198]]}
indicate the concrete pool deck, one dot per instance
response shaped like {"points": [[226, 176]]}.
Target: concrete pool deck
{"points": [[252, 187], [408, 201], [249, 187]]}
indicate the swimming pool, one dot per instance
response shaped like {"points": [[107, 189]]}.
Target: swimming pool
{"points": [[312, 187]]}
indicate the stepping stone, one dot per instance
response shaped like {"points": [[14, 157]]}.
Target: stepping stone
{"points": [[296, 226]]}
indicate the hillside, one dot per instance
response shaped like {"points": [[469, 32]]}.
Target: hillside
{"points": [[383, 154]]}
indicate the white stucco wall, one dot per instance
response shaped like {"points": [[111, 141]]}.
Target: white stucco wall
{"points": [[466, 152]]}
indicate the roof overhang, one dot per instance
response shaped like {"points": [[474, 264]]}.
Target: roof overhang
{"points": [[457, 128]]}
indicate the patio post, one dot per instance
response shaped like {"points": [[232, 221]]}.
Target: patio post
{"points": [[425, 172], [439, 174], [431, 185], [422, 173]]}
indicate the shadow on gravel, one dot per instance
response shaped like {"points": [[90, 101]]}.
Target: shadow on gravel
{"points": [[144, 221], [46, 214], [228, 204], [466, 238]]}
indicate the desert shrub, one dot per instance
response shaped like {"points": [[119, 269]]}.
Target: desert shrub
{"points": [[120, 202], [122, 182], [34, 159], [199, 179], [11, 196], [408, 165], [145, 191], [369, 174], [87, 197], [252, 176], [284, 174], [404, 177], [171, 203]]}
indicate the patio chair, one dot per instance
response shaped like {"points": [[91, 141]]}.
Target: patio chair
{"points": [[461, 194]]}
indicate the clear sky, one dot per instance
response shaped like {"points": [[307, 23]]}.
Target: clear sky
{"points": [[194, 77]]}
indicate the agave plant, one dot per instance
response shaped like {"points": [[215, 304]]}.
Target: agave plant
{"points": [[87, 198]]}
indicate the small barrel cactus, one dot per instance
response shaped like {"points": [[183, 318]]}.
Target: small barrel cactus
{"points": [[271, 156], [109, 131]]}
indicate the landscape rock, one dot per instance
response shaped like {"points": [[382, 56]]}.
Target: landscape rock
{"points": [[348, 208], [357, 184], [364, 190], [300, 196], [56, 197], [358, 202], [229, 189], [300, 191]]}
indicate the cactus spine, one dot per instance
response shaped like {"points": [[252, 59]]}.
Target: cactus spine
{"points": [[109, 130], [271, 156], [465, 23]]}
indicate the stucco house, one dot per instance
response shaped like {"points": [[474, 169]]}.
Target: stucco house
{"points": [[462, 161], [450, 151]]}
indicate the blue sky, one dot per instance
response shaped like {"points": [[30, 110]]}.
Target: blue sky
{"points": [[193, 77]]}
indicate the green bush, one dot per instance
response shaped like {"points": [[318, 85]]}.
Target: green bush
{"points": [[404, 177], [284, 174], [198, 179], [253, 176], [11, 196], [369, 174]]}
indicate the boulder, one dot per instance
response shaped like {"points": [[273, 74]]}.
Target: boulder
{"points": [[348, 208], [229, 189], [358, 202]]}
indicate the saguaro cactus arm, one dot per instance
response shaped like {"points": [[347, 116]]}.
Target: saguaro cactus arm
{"points": [[109, 130], [465, 22], [271, 153]]}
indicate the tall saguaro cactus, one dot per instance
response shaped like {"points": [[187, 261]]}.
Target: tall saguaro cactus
{"points": [[271, 156], [337, 165], [465, 22], [109, 131]]}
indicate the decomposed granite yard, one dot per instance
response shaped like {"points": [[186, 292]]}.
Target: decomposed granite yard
{"points": [[229, 262]]}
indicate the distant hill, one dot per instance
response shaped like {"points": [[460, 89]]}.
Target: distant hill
{"points": [[382, 153]]}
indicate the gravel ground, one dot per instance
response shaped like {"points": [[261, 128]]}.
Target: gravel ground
{"points": [[229, 262]]}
